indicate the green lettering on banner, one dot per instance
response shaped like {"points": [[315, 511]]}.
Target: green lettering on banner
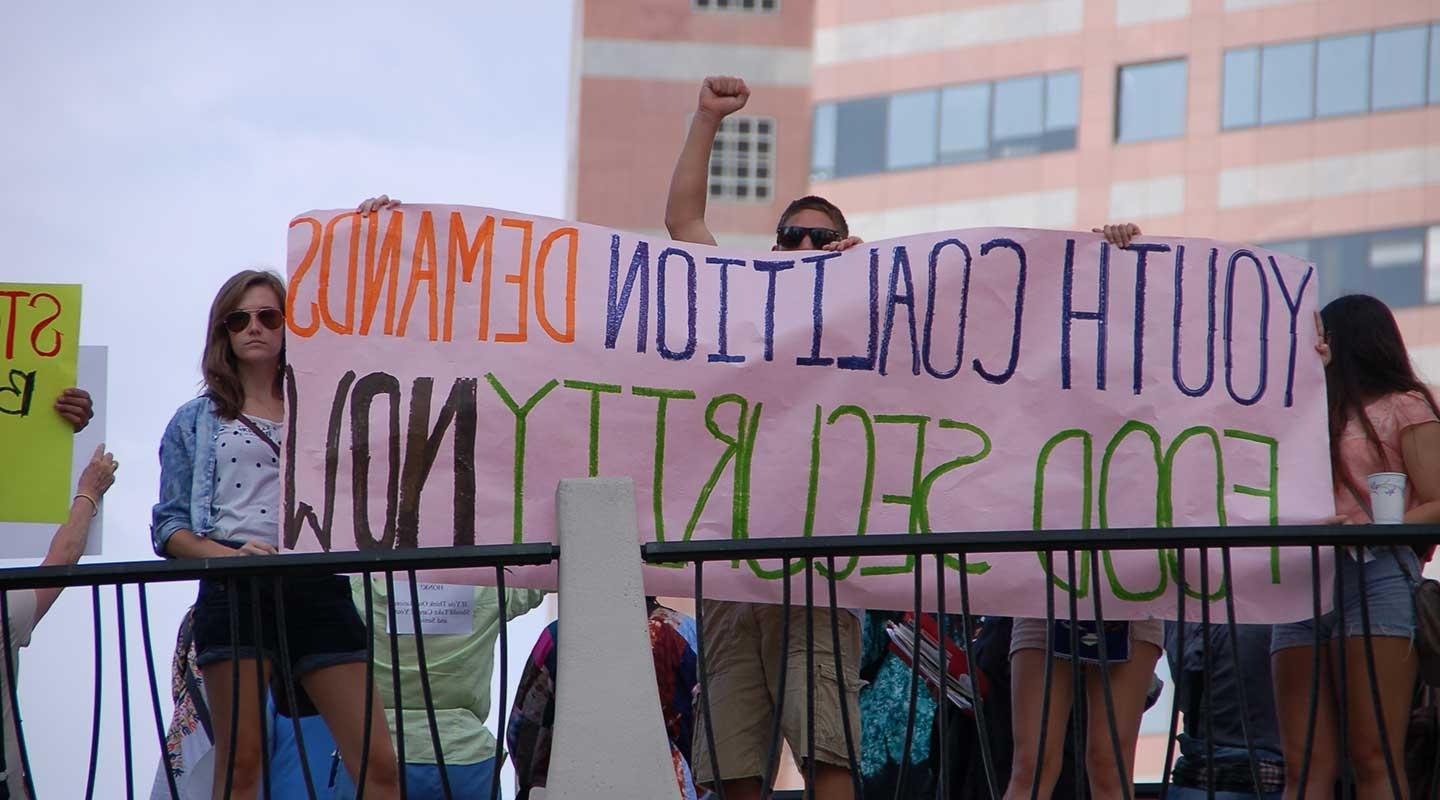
{"points": [[923, 496], [1271, 492], [739, 448], [1168, 472], [595, 390], [916, 477], [1133, 426], [867, 488], [657, 479], [1038, 520], [521, 414]]}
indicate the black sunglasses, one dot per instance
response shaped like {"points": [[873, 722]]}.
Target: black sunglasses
{"points": [[238, 321], [790, 236]]}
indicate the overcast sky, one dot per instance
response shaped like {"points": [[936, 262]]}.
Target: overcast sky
{"points": [[150, 150]]}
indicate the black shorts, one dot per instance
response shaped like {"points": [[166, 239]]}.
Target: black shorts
{"points": [[322, 627]]}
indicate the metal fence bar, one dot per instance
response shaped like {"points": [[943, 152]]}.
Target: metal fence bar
{"points": [[1121, 767], [425, 685], [981, 729], [287, 680], [124, 700], [370, 689], [1315, 666], [262, 686], [1375, 687], [810, 676], [705, 682], [1077, 679], [13, 690], [942, 784], [1205, 685], [231, 586], [95, 715], [1039, 770], [856, 778], [1177, 677], [1234, 636], [914, 685], [394, 625], [504, 680], [772, 762], [154, 690], [1342, 689]]}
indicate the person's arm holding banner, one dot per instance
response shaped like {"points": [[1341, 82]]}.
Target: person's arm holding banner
{"points": [[68, 543]]}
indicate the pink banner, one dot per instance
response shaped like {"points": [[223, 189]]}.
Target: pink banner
{"points": [[452, 363]]}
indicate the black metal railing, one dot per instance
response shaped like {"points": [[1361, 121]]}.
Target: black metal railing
{"points": [[942, 550], [1092, 542]]}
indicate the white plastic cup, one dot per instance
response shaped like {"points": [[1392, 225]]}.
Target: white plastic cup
{"points": [[1387, 497]]}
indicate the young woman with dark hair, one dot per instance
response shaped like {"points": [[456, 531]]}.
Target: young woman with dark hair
{"points": [[1382, 419], [220, 496]]}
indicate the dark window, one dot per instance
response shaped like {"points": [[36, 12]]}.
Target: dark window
{"points": [[1287, 82], [1240, 107], [1435, 63], [1400, 68], [1152, 101], [1387, 264], [860, 145], [1342, 75]]}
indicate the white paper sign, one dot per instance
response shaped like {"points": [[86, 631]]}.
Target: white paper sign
{"points": [[445, 609]]}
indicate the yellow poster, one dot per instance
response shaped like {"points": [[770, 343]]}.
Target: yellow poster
{"points": [[39, 345]]}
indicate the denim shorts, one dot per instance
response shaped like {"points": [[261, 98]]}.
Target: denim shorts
{"points": [[1389, 595], [322, 627]]}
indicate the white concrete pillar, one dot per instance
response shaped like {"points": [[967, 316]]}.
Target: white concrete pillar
{"points": [[609, 733]]}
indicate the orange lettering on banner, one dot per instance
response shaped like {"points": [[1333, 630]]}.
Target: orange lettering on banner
{"points": [[382, 271], [521, 279], [467, 252], [424, 253], [326, 247], [291, 320], [541, 311], [43, 324]]}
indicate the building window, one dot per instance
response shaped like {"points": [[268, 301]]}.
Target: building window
{"points": [[1241, 105], [955, 124], [1336, 76], [1342, 76], [1151, 101], [1400, 57], [1400, 266], [1287, 83], [743, 6], [742, 162]]}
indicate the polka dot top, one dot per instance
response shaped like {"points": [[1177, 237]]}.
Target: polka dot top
{"points": [[247, 482]]}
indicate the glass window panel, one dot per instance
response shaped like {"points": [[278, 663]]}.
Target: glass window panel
{"points": [[1019, 116], [1062, 100], [912, 130], [860, 136], [1399, 70], [965, 123], [1152, 101], [1342, 67], [1240, 106], [1287, 82], [1435, 63]]}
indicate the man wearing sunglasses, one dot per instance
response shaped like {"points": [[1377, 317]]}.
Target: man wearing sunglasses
{"points": [[742, 640]]}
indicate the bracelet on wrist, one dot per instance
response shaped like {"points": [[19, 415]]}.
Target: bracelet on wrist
{"points": [[94, 504]]}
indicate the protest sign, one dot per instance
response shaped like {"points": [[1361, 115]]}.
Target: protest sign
{"points": [[39, 344], [32, 539], [450, 364]]}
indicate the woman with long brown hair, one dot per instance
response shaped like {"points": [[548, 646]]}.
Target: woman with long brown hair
{"points": [[219, 497], [1382, 419]]}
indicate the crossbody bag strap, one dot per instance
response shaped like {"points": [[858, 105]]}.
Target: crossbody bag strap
{"points": [[263, 436]]}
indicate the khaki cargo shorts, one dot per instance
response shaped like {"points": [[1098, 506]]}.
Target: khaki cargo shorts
{"points": [[742, 662]]}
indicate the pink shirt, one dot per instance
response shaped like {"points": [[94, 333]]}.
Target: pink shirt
{"points": [[1390, 415]]}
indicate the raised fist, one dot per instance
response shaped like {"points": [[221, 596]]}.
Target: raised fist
{"points": [[722, 95]]}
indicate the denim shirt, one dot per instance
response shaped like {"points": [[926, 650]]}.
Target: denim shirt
{"points": [[187, 475]]}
